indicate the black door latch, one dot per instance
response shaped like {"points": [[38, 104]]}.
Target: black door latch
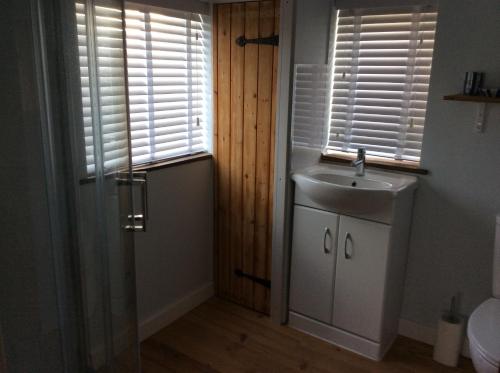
{"points": [[271, 40]]}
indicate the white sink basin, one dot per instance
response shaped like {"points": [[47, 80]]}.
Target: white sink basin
{"points": [[351, 182], [336, 188]]}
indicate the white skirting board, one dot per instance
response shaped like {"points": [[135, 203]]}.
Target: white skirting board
{"points": [[425, 334], [175, 310]]}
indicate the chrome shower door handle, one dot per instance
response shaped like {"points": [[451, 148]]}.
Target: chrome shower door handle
{"points": [[141, 178], [134, 228], [348, 237], [137, 222]]}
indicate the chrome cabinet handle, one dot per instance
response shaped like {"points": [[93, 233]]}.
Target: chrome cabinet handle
{"points": [[347, 255], [326, 233]]}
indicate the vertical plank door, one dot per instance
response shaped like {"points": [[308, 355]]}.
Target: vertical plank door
{"points": [[244, 124]]}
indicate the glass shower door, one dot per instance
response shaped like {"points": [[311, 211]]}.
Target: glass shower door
{"points": [[105, 182]]}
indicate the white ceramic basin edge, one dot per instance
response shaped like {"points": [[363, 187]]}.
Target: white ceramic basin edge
{"points": [[337, 188]]}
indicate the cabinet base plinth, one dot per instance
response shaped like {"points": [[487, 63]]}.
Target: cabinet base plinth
{"points": [[341, 338]]}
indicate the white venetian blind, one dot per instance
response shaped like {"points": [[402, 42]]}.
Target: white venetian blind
{"points": [[382, 64], [167, 56], [168, 72], [103, 86]]}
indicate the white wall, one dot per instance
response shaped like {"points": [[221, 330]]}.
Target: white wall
{"points": [[312, 30], [174, 258], [453, 220]]}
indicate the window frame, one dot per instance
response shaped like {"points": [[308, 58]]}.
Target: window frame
{"points": [[206, 96]]}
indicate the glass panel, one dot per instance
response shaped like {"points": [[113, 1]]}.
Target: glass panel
{"points": [[104, 191]]}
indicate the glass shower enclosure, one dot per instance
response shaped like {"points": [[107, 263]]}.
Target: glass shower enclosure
{"points": [[71, 303], [106, 212]]}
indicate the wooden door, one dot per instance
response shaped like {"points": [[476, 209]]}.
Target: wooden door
{"points": [[314, 252], [244, 122], [360, 277]]}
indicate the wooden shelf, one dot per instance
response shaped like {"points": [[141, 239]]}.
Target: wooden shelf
{"points": [[480, 101], [460, 97]]}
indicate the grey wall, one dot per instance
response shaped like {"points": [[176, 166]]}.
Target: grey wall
{"points": [[312, 28], [174, 257], [453, 223], [453, 220]]}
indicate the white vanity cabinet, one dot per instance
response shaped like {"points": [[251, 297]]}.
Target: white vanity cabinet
{"points": [[313, 262], [347, 273], [360, 275]]}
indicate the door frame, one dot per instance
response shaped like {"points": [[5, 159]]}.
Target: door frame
{"points": [[282, 205]]}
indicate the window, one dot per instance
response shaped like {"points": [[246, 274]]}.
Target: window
{"points": [[381, 70], [107, 105], [168, 74], [166, 55]]}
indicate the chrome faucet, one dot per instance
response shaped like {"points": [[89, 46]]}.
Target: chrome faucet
{"points": [[359, 163]]}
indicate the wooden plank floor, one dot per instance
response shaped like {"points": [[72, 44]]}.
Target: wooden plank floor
{"points": [[219, 336]]}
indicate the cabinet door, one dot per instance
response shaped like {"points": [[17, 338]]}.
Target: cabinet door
{"points": [[314, 248], [360, 277]]}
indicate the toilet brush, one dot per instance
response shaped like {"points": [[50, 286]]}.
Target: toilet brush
{"points": [[450, 336]]}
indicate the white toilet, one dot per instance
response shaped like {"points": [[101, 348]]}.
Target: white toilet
{"points": [[484, 323]]}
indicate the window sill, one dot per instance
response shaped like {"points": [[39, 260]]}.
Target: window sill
{"points": [[172, 162], [377, 162]]}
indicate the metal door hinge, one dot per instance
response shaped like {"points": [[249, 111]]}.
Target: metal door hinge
{"points": [[261, 281]]}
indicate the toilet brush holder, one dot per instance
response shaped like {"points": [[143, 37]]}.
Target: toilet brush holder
{"points": [[450, 338]]}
